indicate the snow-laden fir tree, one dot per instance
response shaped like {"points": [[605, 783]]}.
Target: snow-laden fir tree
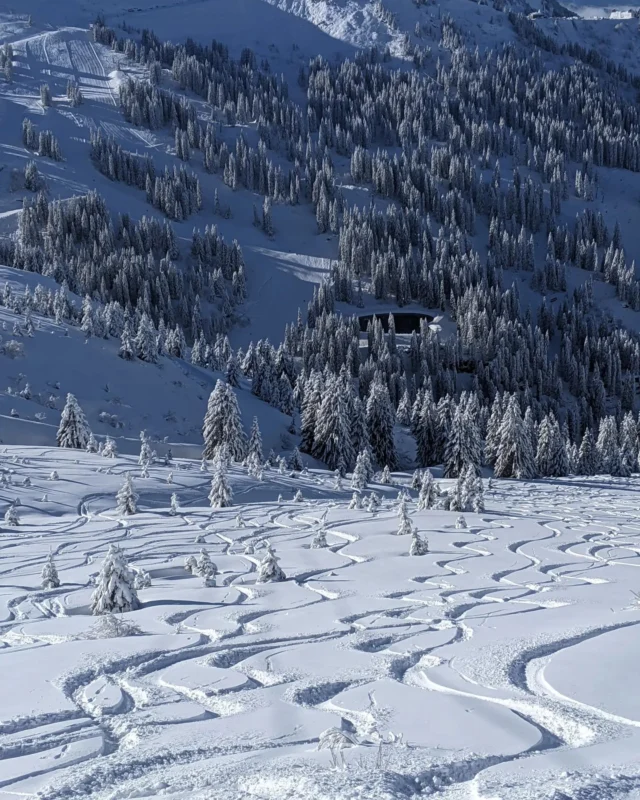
{"points": [[141, 579], [173, 508], [255, 442], [205, 566], [127, 349], [110, 449], [191, 565], [50, 578], [73, 430], [295, 462], [319, 540], [146, 454], [608, 448], [428, 494], [126, 498], [145, 343], [385, 476], [454, 501], [298, 498], [115, 590], [53, 475], [221, 494], [461, 523], [92, 445], [419, 546], [416, 480], [362, 472], [551, 455], [222, 423], [11, 516], [356, 501], [514, 457], [588, 459], [472, 491], [404, 526], [332, 440], [270, 570], [464, 443], [380, 422], [232, 371]]}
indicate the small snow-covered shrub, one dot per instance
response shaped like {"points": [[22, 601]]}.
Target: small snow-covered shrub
{"points": [[12, 349]]}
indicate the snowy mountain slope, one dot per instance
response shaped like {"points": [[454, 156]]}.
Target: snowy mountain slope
{"points": [[478, 170], [474, 667], [167, 400], [274, 272]]}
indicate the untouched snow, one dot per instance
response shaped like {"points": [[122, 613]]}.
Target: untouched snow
{"points": [[503, 657]]}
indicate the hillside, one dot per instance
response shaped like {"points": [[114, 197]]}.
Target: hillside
{"points": [[341, 296]]}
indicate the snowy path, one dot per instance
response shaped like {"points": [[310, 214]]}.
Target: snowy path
{"points": [[468, 655]]}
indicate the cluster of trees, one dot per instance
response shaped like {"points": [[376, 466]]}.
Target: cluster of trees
{"points": [[6, 61], [133, 264], [74, 93], [43, 143], [177, 193]]}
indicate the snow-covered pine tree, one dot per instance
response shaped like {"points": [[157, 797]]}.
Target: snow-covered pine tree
{"points": [[588, 459], [173, 509], [269, 570], [127, 350], [514, 458], [73, 430], [472, 490], [110, 449], [464, 443], [428, 494], [295, 462], [361, 472], [319, 540], [232, 371], [92, 445], [332, 439], [380, 421], [222, 423], [419, 545], [608, 447], [145, 343], [404, 526], [356, 501], [221, 494], [146, 453], [11, 516], [50, 578], [255, 441], [115, 590], [141, 579], [126, 498], [385, 476], [205, 566], [551, 455]]}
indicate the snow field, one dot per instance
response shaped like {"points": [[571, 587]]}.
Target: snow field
{"points": [[480, 660]]}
